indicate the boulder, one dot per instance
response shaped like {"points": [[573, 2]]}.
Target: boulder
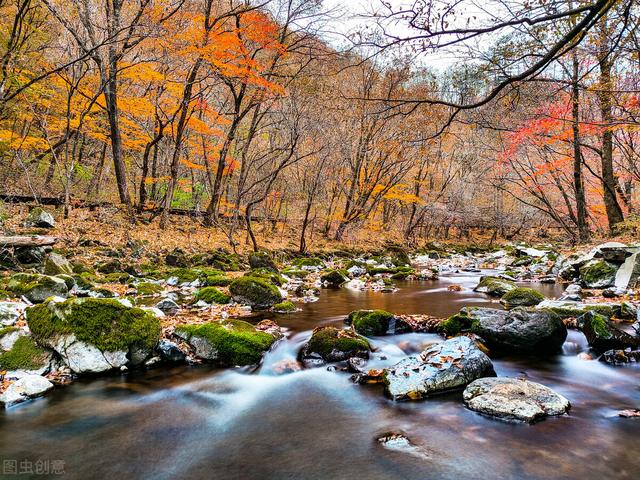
{"points": [[170, 352], [514, 399], [10, 312], [628, 275], [597, 274], [494, 286], [571, 308], [262, 260], [376, 322], [521, 297], [39, 218], [212, 295], [37, 288], [56, 265], [177, 258], [397, 255], [330, 344], [23, 354], [227, 342], [333, 278], [450, 365], [94, 335], [30, 255], [602, 335], [168, 306], [526, 331], [25, 388], [256, 292]]}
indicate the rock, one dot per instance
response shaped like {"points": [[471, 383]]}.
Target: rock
{"points": [[39, 218], [93, 335], [37, 288], [532, 252], [262, 260], [333, 278], [27, 387], [376, 322], [57, 264], [170, 352], [168, 306], [628, 275], [9, 336], [613, 254], [270, 327], [30, 255], [397, 255], [521, 297], [602, 335], [442, 367], [177, 258], [10, 312], [514, 399], [573, 289], [23, 354], [494, 286], [284, 307], [227, 342], [212, 295], [398, 442], [619, 357], [630, 413], [329, 344], [597, 274], [525, 331], [256, 292], [573, 308]]}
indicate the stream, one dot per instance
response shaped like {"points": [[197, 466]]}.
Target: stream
{"points": [[203, 422]]}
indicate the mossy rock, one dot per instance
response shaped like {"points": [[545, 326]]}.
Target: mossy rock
{"points": [[456, 324], [355, 263], [602, 335], [220, 259], [521, 297], [262, 260], [597, 274], [256, 292], [177, 258], [334, 278], [56, 264], [24, 355], [37, 288], [268, 275], [116, 277], [111, 266], [212, 295], [69, 281], [398, 255], [227, 342], [295, 272], [79, 268], [376, 323], [403, 273], [40, 218], [184, 275], [105, 323], [335, 345], [522, 261], [149, 289], [285, 307], [217, 281], [309, 262], [494, 286], [84, 281]]}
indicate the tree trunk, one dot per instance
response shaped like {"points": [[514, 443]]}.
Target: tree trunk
{"points": [[581, 205]]}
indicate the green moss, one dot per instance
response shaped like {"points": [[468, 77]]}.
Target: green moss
{"points": [[81, 268], [355, 263], [184, 275], [212, 295], [403, 273], [285, 307], [102, 322], [565, 312], [522, 297], [495, 286], [456, 324], [325, 340], [267, 275], [334, 278], [370, 322], [308, 262], [24, 355], [37, 287], [600, 325], [398, 256], [236, 342], [257, 292], [596, 272], [116, 277], [262, 260], [295, 272], [5, 330], [217, 281], [4, 294], [148, 288]]}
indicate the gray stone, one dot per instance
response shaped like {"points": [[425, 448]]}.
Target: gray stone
{"points": [[449, 365], [514, 399], [10, 312], [168, 306], [40, 218], [56, 264], [170, 352], [82, 357], [27, 387]]}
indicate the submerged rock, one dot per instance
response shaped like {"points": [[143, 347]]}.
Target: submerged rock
{"points": [[256, 292], [329, 344], [227, 342], [514, 399], [528, 331], [398, 442], [521, 297], [602, 335], [376, 323], [495, 286], [25, 388], [445, 366], [93, 335]]}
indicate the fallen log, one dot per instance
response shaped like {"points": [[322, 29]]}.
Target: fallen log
{"points": [[27, 241]]}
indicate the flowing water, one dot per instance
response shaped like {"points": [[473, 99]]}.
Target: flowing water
{"points": [[201, 422]]}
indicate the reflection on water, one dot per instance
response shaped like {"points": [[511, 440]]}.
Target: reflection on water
{"points": [[315, 424]]}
